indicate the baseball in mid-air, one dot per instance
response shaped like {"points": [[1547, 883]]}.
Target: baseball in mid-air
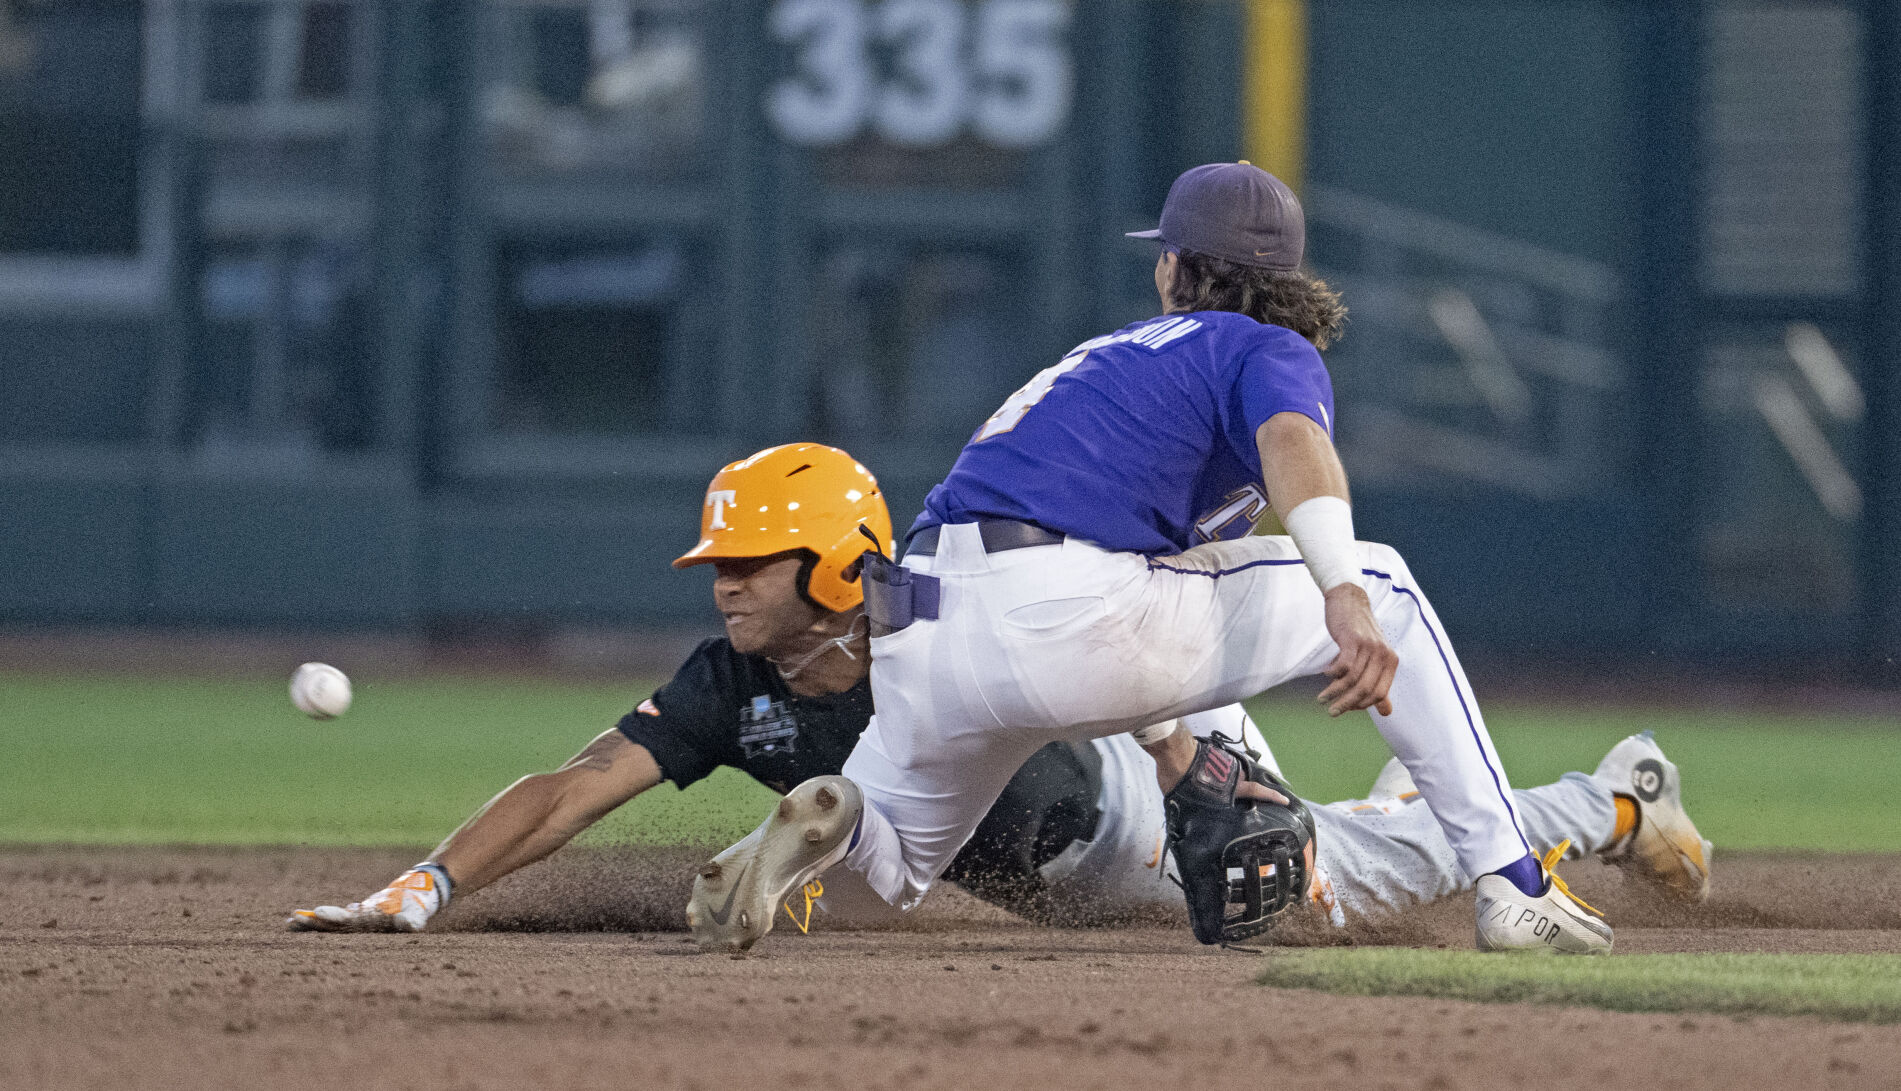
{"points": [[320, 691]]}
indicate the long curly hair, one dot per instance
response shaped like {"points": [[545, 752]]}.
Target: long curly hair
{"points": [[1293, 299]]}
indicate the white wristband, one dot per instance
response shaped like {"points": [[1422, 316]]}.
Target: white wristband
{"points": [[444, 885], [1322, 528], [1154, 733]]}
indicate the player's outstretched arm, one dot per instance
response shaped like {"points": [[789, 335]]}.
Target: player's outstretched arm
{"points": [[530, 819], [543, 811], [1299, 465]]}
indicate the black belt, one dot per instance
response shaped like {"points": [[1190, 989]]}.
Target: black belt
{"points": [[998, 535]]}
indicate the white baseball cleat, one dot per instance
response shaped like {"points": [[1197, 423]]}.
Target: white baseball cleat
{"points": [[1555, 922], [405, 905], [1664, 848], [736, 894]]}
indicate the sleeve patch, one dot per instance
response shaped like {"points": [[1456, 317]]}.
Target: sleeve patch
{"points": [[647, 708]]}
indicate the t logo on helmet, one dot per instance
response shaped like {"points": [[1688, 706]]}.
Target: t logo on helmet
{"points": [[797, 496]]}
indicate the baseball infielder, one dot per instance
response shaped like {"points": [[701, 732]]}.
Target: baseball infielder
{"points": [[1076, 836], [1086, 570]]}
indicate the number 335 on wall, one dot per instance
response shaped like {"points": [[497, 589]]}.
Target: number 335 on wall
{"points": [[920, 72]]}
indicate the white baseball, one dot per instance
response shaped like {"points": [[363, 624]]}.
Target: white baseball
{"points": [[320, 691]]}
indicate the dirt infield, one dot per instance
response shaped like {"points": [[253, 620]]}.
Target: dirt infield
{"points": [[168, 968]]}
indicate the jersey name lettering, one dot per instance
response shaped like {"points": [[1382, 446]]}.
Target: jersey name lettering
{"points": [[1152, 336]]}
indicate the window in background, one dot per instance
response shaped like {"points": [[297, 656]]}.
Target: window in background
{"points": [[69, 128], [609, 88], [285, 372], [79, 274], [917, 345], [285, 92], [284, 375], [597, 339]]}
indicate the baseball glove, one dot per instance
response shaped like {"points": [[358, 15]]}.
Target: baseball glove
{"points": [[1242, 862]]}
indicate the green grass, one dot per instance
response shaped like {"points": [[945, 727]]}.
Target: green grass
{"points": [[118, 760], [144, 761], [1752, 780], [1858, 988]]}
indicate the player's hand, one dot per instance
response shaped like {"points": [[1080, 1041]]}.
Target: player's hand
{"points": [[1363, 671], [403, 906]]}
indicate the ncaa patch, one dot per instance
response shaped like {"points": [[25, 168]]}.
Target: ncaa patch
{"points": [[647, 708], [766, 726]]}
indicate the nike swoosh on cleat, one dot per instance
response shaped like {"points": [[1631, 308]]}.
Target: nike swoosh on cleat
{"points": [[719, 915]]}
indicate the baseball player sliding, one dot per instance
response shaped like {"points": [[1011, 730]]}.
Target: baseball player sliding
{"points": [[1086, 570], [1077, 834]]}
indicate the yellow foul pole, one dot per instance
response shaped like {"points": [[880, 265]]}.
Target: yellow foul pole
{"points": [[1274, 93]]}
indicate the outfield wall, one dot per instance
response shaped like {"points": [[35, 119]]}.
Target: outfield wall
{"points": [[390, 315]]}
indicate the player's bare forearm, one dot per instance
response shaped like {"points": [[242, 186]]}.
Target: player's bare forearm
{"points": [[541, 812], [1173, 754], [1298, 462]]}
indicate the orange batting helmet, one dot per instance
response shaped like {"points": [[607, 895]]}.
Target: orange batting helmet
{"points": [[796, 496]]}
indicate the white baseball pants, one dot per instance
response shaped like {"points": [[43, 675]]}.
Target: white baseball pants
{"points": [[1374, 856], [1067, 642]]}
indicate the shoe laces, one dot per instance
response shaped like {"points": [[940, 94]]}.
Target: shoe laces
{"points": [[813, 891], [1550, 863]]}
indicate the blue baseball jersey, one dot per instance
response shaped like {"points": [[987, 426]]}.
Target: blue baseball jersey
{"points": [[1142, 440]]}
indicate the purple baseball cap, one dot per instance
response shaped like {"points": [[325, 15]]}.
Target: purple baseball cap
{"points": [[1234, 211]]}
